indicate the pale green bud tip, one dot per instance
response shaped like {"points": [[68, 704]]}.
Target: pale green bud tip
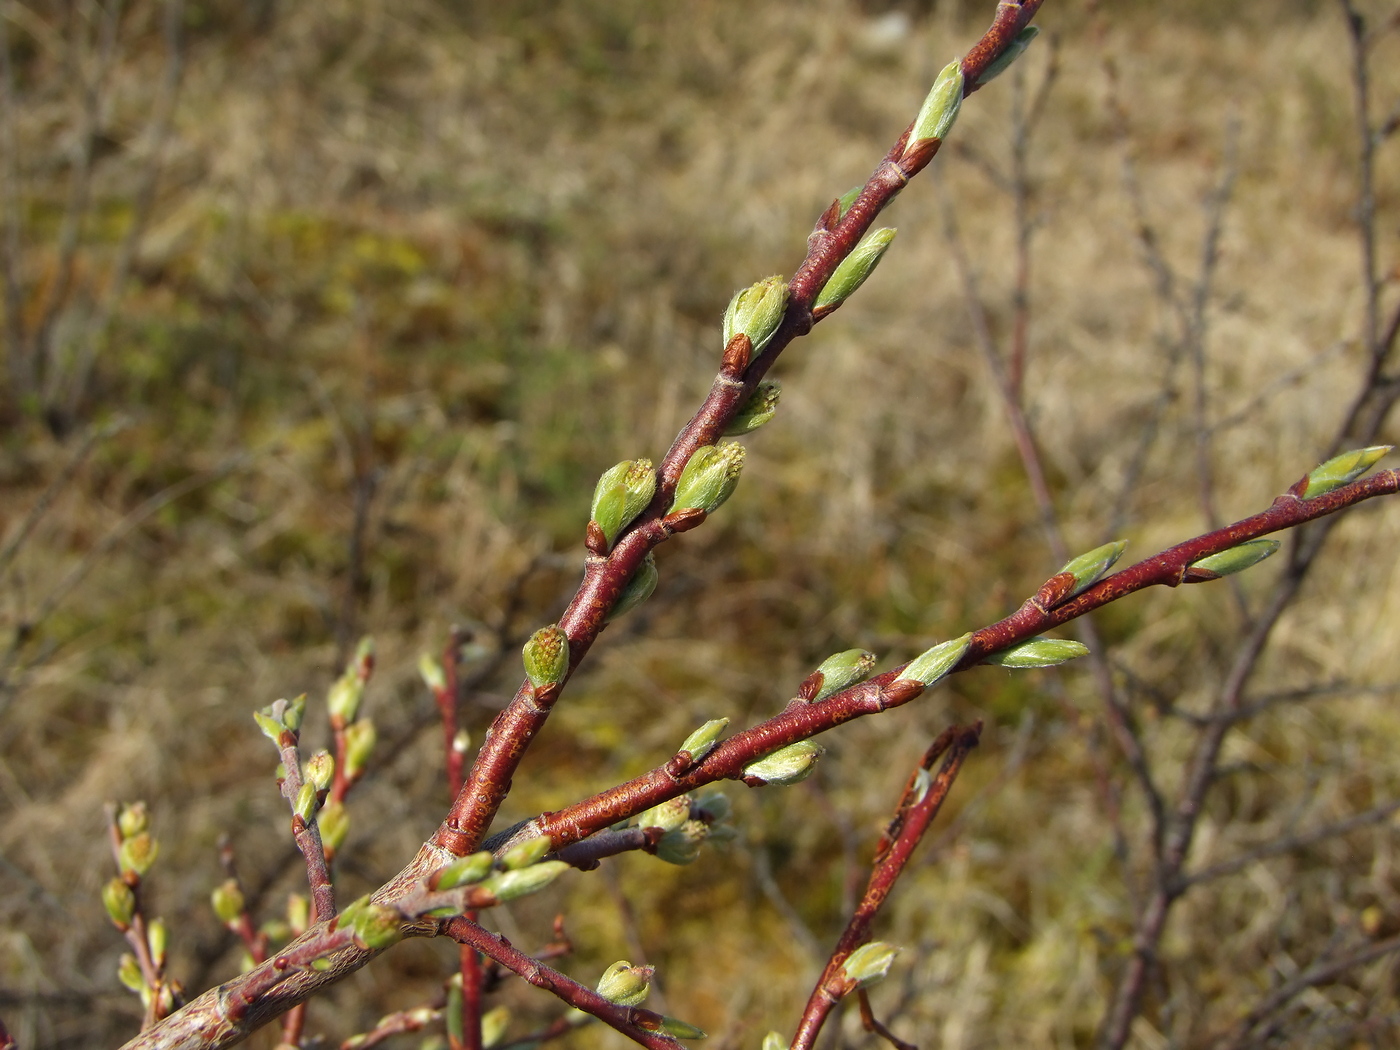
{"points": [[546, 656], [1013, 51], [787, 765], [842, 670], [854, 269], [758, 409], [1039, 652], [120, 903], [1089, 567], [360, 738], [621, 494], [625, 984], [432, 673], [465, 871], [298, 912], [527, 853], [296, 711], [869, 963], [844, 202], [272, 728], [668, 815], [710, 476], [677, 1029], [305, 804], [334, 822], [129, 973], [378, 926], [228, 901], [774, 1041], [133, 819], [493, 1026], [701, 742], [157, 938], [1343, 470], [682, 845], [320, 768], [757, 311], [940, 109], [1237, 558], [508, 885], [343, 700], [935, 664], [638, 589], [137, 854]]}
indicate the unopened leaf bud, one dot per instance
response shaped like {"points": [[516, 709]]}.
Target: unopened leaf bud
{"points": [[1342, 470], [526, 853], [774, 1041], [304, 806], [869, 963], [1013, 51], [546, 656], [1237, 558], [494, 1023], [761, 406], [320, 769], [678, 1029], [709, 477], [638, 589], [844, 202], [1039, 652], [701, 742], [621, 494], [334, 822], [430, 670], [624, 984], [362, 663], [343, 700], [787, 765], [461, 742], [464, 871], [136, 855], [132, 819], [298, 913], [508, 885], [157, 938], [940, 108], [756, 312], [295, 713], [228, 902], [668, 815], [272, 727], [934, 664], [360, 738], [842, 670], [129, 973], [1088, 568], [378, 926], [682, 845], [853, 270], [120, 903], [714, 803]]}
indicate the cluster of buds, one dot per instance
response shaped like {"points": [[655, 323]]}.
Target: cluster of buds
{"points": [[142, 970], [687, 823], [483, 880], [623, 492]]}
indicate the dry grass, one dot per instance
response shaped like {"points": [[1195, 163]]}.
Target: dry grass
{"points": [[478, 252]]}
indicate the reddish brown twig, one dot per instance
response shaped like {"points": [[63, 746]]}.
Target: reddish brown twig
{"points": [[873, 1025], [920, 803], [306, 833]]}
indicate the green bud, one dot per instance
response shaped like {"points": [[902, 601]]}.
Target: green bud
{"points": [[298, 913], [360, 738], [334, 823], [940, 109], [1342, 470], [305, 804], [378, 926], [869, 963], [638, 589], [1039, 652], [774, 1041], [508, 885], [228, 902], [844, 202], [1237, 558], [120, 903], [133, 819], [709, 477], [701, 742], [272, 728], [621, 494], [157, 938], [853, 270], [362, 663], [432, 673], [713, 802], [350, 914], [320, 769], [1088, 568], [761, 406], [682, 845], [296, 711], [679, 1029], [668, 815], [494, 1023], [624, 984], [526, 853], [756, 312], [787, 765], [842, 670], [343, 700], [129, 973], [452, 1013], [1013, 51], [464, 871], [137, 854], [461, 742], [546, 656], [934, 664]]}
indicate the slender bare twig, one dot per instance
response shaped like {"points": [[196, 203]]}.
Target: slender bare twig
{"points": [[872, 1024], [306, 832]]}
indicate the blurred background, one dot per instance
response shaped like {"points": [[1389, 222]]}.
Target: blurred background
{"points": [[322, 319]]}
